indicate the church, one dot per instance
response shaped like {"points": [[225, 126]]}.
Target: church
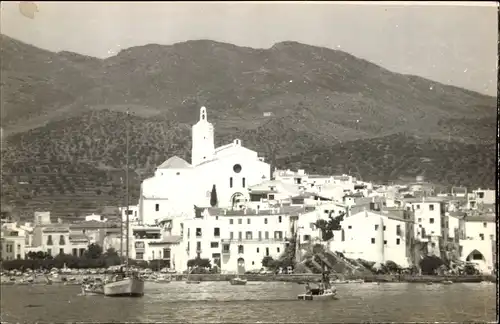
{"points": [[178, 185]]}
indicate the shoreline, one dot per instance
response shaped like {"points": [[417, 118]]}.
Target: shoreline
{"points": [[297, 278]]}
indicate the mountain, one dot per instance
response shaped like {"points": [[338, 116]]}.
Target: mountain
{"points": [[327, 111]]}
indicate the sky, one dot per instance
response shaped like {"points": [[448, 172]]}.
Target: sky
{"points": [[452, 43]]}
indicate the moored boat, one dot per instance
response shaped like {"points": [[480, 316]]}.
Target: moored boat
{"points": [[191, 282], [447, 282], [315, 294], [238, 281], [127, 287]]}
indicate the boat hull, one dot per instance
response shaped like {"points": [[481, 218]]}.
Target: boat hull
{"points": [[238, 282], [330, 296], [128, 287]]}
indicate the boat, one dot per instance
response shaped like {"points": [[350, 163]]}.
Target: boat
{"points": [[328, 294], [238, 281], [324, 291], [163, 279], [92, 289], [193, 282], [447, 282], [356, 281], [129, 284]]}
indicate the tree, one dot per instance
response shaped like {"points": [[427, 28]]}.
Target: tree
{"points": [[267, 261], [199, 262], [213, 197], [111, 257], [94, 251], [392, 266], [328, 226]]}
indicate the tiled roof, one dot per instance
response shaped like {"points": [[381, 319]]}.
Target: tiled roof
{"points": [[175, 162]]}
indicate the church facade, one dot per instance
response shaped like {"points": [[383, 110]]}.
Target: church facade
{"points": [[178, 185]]}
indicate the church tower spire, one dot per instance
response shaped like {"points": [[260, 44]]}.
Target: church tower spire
{"points": [[203, 148]]}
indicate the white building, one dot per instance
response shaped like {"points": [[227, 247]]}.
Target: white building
{"points": [[238, 240], [375, 236], [479, 244], [178, 185]]}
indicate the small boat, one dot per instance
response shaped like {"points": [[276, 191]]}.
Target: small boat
{"points": [[163, 279], [447, 282], [486, 282], [238, 281], [193, 282], [94, 289], [328, 294], [338, 281], [429, 283], [130, 286], [356, 281]]}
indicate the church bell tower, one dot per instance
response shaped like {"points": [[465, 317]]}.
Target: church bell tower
{"points": [[203, 148]]}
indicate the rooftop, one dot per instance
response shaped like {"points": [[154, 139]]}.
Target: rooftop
{"points": [[283, 210], [173, 239], [175, 162]]}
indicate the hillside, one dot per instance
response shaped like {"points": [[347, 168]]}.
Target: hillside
{"points": [[63, 115]]}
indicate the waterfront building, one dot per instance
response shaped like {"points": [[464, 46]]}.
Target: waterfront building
{"points": [[238, 240], [178, 185], [12, 243], [478, 242], [376, 236]]}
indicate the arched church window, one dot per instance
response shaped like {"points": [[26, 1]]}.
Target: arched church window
{"points": [[237, 168]]}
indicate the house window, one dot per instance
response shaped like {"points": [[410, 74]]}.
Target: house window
{"points": [[258, 250], [419, 220], [266, 235], [418, 206], [481, 236], [376, 227], [431, 220], [225, 248], [214, 245], [198, 247], [75, 252], [49, 240], [260, 235], [484, 225], [265, 220], [139, 255], [267, 251], [198, 232], [349, 227], [480, 195], [61, 251], [383, 228], [398, 241], [230, 221], [157, 208], [431, 207], [385, 242], [240, 235], [240, 249], [82, 251], [248, 220], [248, 235], [216, 232], [243, 182], [270, 197], [166, 253], [231, 236], [230, 182], [279, 219], [278, 250], [188, 233], [373, 240], [152, 255], [61, 240], [307, 237], [49, 251], [240, 221]]}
